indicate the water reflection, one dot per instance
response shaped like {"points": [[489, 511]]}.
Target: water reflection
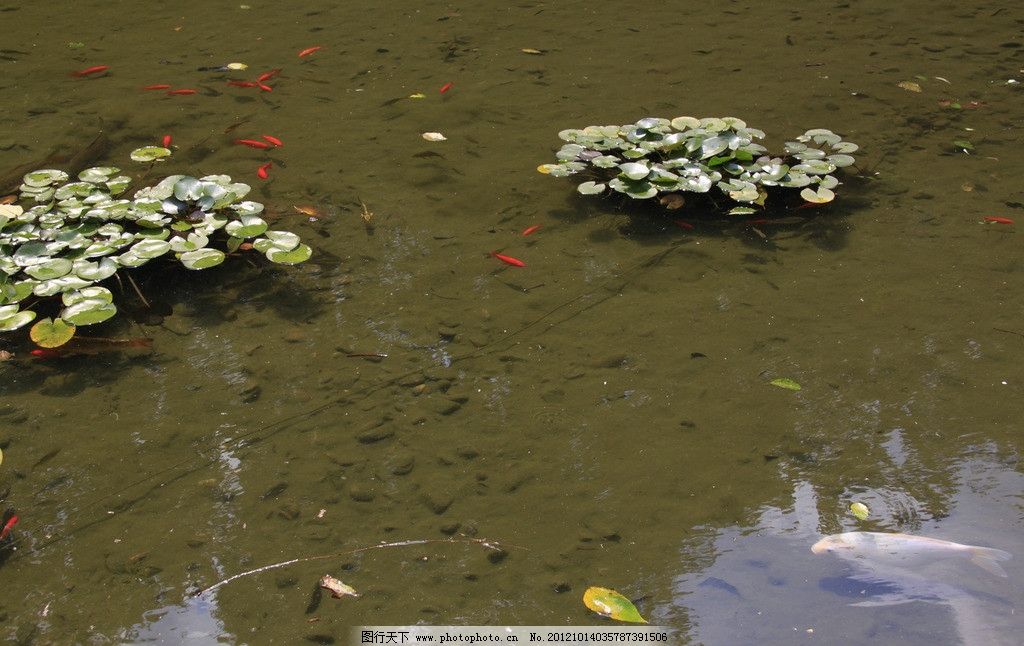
{"points": [[194, 622], [766, 587]]}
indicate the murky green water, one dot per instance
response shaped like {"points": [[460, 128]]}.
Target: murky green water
{"points": [[603, 413]]}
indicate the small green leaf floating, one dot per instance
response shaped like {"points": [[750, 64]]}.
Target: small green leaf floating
{"points": [[609, 603], [48, 333], [784, 382], [860, 510]]}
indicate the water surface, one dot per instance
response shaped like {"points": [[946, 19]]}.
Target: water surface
{"points": [[604, 413]]}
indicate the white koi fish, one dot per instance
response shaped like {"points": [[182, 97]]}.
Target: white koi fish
{"points": [[906, 551]]}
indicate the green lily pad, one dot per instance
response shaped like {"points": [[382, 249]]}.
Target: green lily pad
{"points": [[247, 226], [191, 243], [283, 240], [609, 603], [299, 254], [48, 333], [16, 320], [94, 292], [54, 268], [17, 292], [45, 177], [591, 188], [202, 258], [685, 123], [635, 170], [88, 311], [150, 248], [150, 154], [820, 196], [98, 174]]}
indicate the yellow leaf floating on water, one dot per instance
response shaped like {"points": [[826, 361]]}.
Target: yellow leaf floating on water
{"points": [[609, 603], [783, 382], [418, 95], [909, 86], [336, 587], [51, 334], [860, 510]]}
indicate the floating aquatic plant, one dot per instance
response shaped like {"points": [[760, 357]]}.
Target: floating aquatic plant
{"points": [[75, 233], [668, 158]]}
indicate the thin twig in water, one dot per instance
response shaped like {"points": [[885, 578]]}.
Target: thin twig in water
{"points": [[492, 545], [999, 329], [137, 290]]}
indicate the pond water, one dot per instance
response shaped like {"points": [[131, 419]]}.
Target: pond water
{"points": [[601, 416]]}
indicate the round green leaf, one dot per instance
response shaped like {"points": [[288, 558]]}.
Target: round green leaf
{"points": [[88, 312], [150, 154], [299, 254], [820, 196], [635, 170], [44, 177], [31, 253], [283, 240], [94, 292], [17, 292], [129, 259], [591, 188], [98, 174], [50, 269], [685, 123], [48, 333], [840, 160], [202, 258], [150, 248], [15, 321], [247, 226]]}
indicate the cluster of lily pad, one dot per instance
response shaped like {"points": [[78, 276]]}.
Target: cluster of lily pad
{"points": [[74, 234], [657, 156]]}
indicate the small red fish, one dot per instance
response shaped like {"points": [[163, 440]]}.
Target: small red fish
{"points": [[252, 143], [161, 86], [531, 229], [508, 260], [45, 353], [266, 76], [309, 50], [683, 224], [95, 69], [446, 87], [8, 526], [261, 172], [166, 141], [274, 140], [264, 87], [182, 92], [243, 83], [997, 219]]}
